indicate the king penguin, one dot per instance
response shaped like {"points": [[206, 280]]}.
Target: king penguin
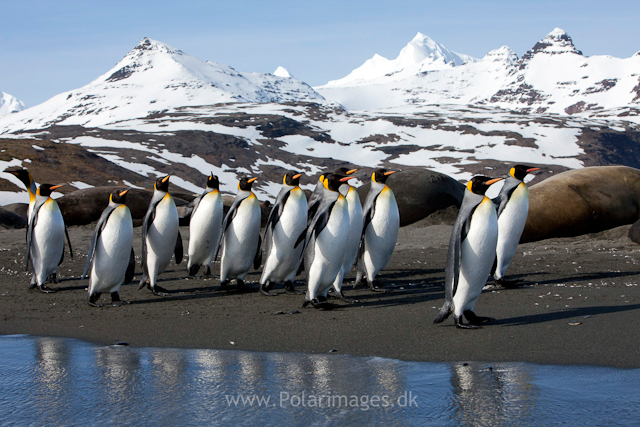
{"points": [[160, 236], [240, 238], [204, 227], [25, 177], [381, 223], [45, 238], [111, 250], [354, 206], [472, 248], [284, 235], [326, 241], [513, 207]]}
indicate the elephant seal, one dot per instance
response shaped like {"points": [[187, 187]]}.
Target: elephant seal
{"points": [[420, 193], [582, 201], [10, 219], [85, 206]]}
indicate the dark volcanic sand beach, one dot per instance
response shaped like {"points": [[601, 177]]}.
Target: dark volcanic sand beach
{"points": [[578, 304]]}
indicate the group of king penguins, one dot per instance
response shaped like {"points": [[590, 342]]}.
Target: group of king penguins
{"points": [[325, 236]]}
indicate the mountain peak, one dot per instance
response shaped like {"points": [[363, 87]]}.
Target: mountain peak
{"points": [[423, 47], [282, 72], [10, 104], [554, 43], [502, 54]]}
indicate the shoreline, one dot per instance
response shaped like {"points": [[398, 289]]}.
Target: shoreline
{"points": [[574, 307]]}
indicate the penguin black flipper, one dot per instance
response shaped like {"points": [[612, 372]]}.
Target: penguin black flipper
{"points": [[33, 219], [257, 259], [66, 233], [510, 185], [131, 268], [319, 222], [368, 211], [228, 219], [314, 200], [274, 217], [179, 250], [102, 222]]}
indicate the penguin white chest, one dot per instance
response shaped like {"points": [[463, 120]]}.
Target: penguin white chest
{"points": [[163, 232], [48, 238], [113, 250]]}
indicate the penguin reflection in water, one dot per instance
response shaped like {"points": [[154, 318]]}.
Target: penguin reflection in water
{"points": [[160, 236], [513, 208], [284, 235], [326, 241], [240, 238], [380, 230], [204, 227], [45, 238], [111, 250], [472, 249]]}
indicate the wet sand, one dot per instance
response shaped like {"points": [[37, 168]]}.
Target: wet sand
{"points": [[578, 304]]}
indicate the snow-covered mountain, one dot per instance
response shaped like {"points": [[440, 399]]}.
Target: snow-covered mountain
{"points": [[552, 77], [10, 104], [160, 110], [155, 77]]}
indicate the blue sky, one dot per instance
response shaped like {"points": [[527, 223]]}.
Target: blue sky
{"points": [[49, 47]]}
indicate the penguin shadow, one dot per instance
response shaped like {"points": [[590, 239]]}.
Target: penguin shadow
{"points": [[69, 284], [563, 315], [580, 278], [406, 286]]}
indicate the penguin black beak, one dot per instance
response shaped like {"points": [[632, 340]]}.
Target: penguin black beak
{"points": [[55, 187], [351, 171], [166, 178], [346, 178], [493, 181], [297, 176], [532, 170], [251, 180], [389, 173], [124, 192]]}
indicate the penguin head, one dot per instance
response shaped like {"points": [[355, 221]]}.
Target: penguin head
{"points": [[479, 184], [380, 176], [521, 171], [212, 182], [119, 196], [162, 184], [245, 183], [23, 175], [345, 171], [45, 190], [292, 178], [333, 181]]}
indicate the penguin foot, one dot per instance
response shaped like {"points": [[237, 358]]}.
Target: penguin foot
{"points": [[116, 301], [144, 281], [45, 290], [193, 270], [461, 325], [321, 303], [288, 288], [266, 287], [508, 283], [475, 319], [53, 278], [207, 271], [376, 288], [158, 290], [93, 300], [345, 299]]}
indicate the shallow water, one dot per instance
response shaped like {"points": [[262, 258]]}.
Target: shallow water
{"points": [[53, 381]]}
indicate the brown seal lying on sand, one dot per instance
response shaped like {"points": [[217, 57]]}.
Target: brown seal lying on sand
{"points": [[583, 201]]}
